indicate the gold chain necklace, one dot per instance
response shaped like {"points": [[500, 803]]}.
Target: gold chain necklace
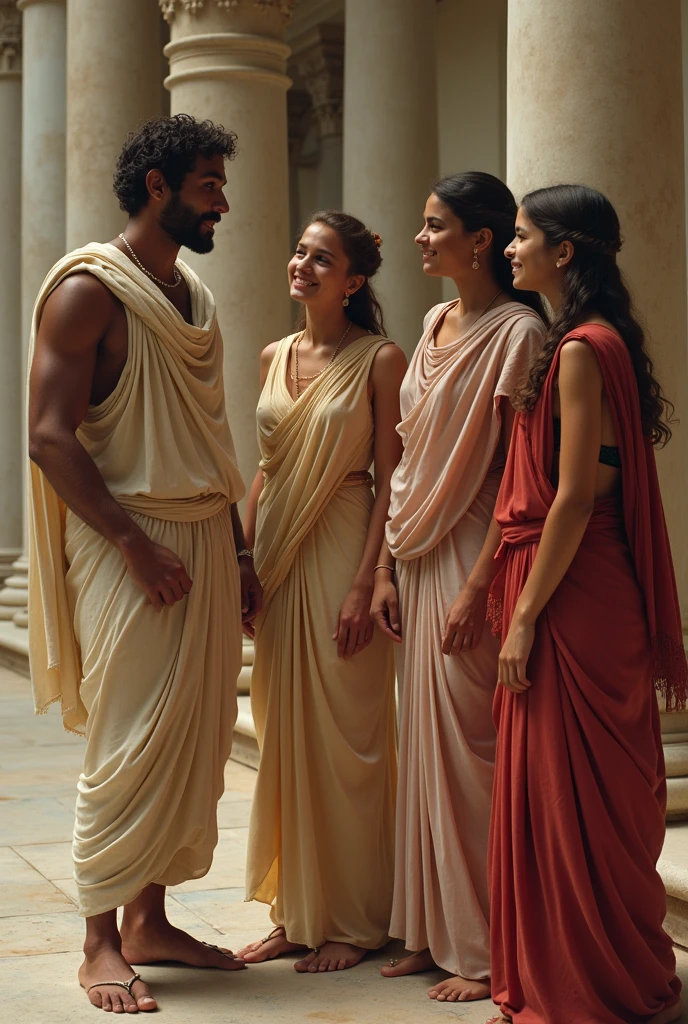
{"points": [[296, 377], [177, 276], [480, 315]]}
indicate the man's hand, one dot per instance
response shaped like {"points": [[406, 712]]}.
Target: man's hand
{"points": [[157, 570], [251, 594]]}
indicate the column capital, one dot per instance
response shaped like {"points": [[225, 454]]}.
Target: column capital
{"points": [[320, 61], [10, 39], [23, 4], [170, 7]]}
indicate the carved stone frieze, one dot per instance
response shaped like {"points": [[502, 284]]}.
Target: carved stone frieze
{"points": [[321, 69], [170, 7], [10, 37]]}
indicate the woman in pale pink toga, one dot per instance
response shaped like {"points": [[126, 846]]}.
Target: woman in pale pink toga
{"points": [[456, 421]]}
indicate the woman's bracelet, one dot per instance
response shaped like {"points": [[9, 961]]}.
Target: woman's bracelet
{"points": [[383, 566], [247, 552]]}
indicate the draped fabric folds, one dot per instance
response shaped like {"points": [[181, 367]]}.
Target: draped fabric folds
{"points": [[443, 495], [580, 794], [321, 835], [154, 692]]}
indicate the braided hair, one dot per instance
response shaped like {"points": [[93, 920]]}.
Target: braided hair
{"points": [[592, 286]]}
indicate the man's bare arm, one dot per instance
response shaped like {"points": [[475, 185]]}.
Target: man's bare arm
{"points": [[75, 317]]}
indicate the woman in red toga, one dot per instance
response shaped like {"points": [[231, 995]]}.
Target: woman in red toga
{"points": [[586, 602]]}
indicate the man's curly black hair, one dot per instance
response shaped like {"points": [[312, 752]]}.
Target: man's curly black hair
{"points": [[170, 145]]}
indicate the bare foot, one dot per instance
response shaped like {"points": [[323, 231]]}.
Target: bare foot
{"points": [[160, 942], [672, 1013], [460, 990], [275, 945], [415, 963], [332, 956], [105, 963]]}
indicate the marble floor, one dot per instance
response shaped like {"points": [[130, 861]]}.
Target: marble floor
{"points": [[41, 933]]}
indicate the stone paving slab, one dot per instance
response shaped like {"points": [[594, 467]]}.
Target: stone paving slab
{"points": [[41, 934]]}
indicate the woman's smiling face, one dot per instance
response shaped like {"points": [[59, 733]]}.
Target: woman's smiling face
{"points": [[319, 270], [446, 245]]}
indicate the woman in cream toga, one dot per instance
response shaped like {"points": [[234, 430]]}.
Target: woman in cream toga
{"points": [[322, 827]]}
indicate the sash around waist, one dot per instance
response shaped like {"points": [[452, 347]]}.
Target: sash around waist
{"points": [[607, 515], [176, 510]]}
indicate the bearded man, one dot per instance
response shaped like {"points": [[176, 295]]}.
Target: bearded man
{"points": [[139, 577]]}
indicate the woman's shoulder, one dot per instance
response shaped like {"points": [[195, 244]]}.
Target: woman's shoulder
{"points": [[598, 335], [434, 312]]}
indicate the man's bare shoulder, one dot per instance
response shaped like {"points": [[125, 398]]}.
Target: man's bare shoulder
{"points": [[81, 306]]}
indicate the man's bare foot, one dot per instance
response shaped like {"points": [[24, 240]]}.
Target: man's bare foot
{"points": [[160, 942], [105, 963], [667, 1016], [415, 963], [275, 945], [332, 956], [459, 990]]}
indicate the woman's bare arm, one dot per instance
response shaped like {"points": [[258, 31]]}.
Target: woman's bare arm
{"points": [[580, 393], [251, 511], [355, 628]]}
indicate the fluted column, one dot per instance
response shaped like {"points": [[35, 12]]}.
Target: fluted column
{"points": [[615, 122], [113, 84], [227, 63], [390, 145], [10, 282], [42, 203]]}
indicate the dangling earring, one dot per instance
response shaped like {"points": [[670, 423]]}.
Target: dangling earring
{"points": [[476, 264], [346, 301]]}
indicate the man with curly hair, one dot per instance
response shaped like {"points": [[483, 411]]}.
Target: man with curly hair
{"points": [[139, 576]]}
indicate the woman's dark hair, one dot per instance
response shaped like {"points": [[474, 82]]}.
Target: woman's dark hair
{"points": [[592, 286], [362, 249], [480, 200], [170, 145]]}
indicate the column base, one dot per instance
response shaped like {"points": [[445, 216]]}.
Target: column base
{"points": [[14, 596], [8, 556]]}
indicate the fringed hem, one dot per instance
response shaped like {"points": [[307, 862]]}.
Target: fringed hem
{"points": [[670, 671], [42, 709]]}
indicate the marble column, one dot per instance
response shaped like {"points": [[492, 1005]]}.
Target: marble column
{"points": [[321, 67], [10, 282], [227, 63], [42, 202], [113, 84], [614, 119], [390, 145]]}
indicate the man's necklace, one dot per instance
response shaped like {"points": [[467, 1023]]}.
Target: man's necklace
{"points": [[177, 276], [296, 377]]}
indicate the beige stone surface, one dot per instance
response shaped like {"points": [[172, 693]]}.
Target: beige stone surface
{"points": [[594, 95], [228, 63], [390, 146], [41, 933]]}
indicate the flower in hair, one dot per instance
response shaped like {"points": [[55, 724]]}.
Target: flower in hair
{"points": [[377, 239]]}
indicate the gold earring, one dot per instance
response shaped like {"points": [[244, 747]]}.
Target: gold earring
{"points": [[346, 300], [476, 263]]}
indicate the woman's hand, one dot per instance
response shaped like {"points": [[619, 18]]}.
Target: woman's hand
{"points": [[354, 626], [465, 621], [384, 606], [513, 657]]}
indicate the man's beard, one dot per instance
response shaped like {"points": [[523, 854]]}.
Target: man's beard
{"points": [[183, 225]]}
